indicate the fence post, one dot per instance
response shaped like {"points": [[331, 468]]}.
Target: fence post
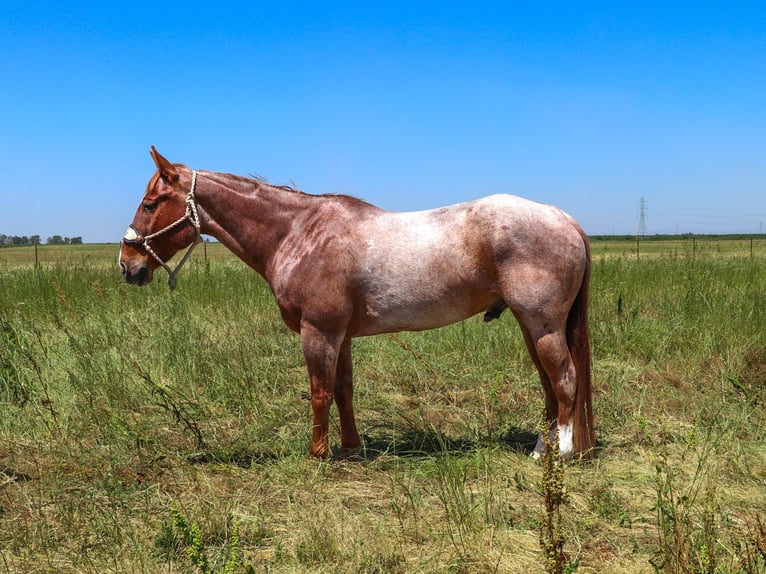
{"points": [[207, 263]]}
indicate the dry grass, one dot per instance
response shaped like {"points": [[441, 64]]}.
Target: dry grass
{"points": [[122, 410]]}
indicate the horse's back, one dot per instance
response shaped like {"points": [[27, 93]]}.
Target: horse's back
{"points": [[492, 231], [425, 269]]}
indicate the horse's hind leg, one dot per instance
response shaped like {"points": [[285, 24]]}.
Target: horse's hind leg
{"points": [[547, 344], [551, 404], [344, 396], [553, 355]]}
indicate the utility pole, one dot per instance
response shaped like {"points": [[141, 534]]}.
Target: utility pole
{"points": [[642, 217]]}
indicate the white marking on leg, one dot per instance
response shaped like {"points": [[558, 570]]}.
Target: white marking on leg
{"points": [[566, 441], [540, 448]]}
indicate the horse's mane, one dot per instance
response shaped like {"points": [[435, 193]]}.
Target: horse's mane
{"points": [[263, 181], [255, 181], [292, 189]]}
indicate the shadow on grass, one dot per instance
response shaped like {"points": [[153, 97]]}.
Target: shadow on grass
{"points": [[404, 439], [383, 441], [417, 443], [410, 444]]}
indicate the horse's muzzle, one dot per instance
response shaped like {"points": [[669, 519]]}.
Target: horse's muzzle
{"points": [[139, 276]]}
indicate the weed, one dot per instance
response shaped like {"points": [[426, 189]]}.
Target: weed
{"points": [[457, 500], [753, 549], [13, 385], [609, 505], [684, 529], [383, 563], [691, 524], [319, 543], [554, 495], [179, 532], [183, 410]]}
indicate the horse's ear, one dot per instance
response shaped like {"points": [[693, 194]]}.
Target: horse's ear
{"points": [[167, 170]]}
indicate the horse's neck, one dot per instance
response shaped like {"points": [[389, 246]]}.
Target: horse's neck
{"points": [[249, 217]]}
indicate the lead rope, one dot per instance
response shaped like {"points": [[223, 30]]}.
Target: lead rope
{"points": [[191, 215]]}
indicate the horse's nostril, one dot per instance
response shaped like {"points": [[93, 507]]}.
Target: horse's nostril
{"points": [[139, 276]]}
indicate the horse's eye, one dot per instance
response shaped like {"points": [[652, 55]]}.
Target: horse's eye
{"points": [[149, 207]]}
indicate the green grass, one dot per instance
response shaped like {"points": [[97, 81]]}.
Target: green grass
{"points": [[140, 426]]}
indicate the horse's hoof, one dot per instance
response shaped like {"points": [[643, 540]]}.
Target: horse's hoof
{"points": [[319, 453], [349, 454]]}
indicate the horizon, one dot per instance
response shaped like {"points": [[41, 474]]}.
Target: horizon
{"points": [[592, 237]]}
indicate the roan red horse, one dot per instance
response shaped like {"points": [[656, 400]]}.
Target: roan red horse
{"points": [[341, 268]]}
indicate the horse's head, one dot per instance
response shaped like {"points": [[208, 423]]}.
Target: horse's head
{"points": [[166, 221]]}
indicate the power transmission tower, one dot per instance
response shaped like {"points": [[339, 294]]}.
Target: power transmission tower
{"points": [[643, 215]]}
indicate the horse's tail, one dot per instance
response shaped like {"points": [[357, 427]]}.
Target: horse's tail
{"points": [[579, 348]]}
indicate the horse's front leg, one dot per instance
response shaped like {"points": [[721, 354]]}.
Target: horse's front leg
{"points": [[344, 397], [321, 352]]}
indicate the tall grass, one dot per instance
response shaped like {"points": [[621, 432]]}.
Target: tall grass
{"points": [[131, 419]]}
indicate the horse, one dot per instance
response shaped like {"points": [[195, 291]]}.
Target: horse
{"points": [[341, 268]]}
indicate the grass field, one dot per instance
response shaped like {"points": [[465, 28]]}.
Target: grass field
{"points": [[149, 431]]}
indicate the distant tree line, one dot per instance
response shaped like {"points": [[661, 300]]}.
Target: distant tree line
{"points": [[35, 240], [677, 236]]}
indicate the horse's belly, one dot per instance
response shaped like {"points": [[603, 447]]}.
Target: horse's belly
{"points": [[418, 314]]}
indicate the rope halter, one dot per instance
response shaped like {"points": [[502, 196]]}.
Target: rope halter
{"points": [[133, 236]]}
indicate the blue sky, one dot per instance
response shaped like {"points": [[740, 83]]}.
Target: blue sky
{"points": [[589, 106]]}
